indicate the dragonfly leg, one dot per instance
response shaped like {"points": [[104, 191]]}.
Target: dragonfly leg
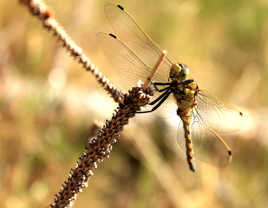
{"points": [[160, 97], [162, 90], [161, 83], [156, 84], [164, 96]]}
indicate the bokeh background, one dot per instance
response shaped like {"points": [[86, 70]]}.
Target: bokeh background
{"points": [[48, 105]]}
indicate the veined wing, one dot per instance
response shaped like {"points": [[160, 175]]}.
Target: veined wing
{"points": [[207, 144], [207, 127], [216, 114], [134, 38], [130, 67]]}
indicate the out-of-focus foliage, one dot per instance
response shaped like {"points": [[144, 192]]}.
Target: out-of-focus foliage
{"points": [[48, 104]]}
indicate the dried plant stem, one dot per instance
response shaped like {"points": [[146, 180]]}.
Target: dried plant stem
{"points": [[39, 9], [99, 147]]}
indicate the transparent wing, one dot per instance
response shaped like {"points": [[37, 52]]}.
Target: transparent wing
{"points": [[217, 115], [208, 146], [134, 38], [127, 65], [123, 60], [211, 120]]}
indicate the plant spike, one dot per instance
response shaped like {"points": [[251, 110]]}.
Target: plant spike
{"points": [[99, 147], [39, 9]]}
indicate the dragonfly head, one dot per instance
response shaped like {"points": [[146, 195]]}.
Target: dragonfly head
{"points": [[179, 72]]}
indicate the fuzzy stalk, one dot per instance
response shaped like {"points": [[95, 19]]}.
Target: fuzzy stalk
{"points": [[39, 9], [99, 147]]}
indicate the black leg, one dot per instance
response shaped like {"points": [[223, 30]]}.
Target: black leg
{"points": [[161, 84], [162, 90], [159, 98], [158, 104]]}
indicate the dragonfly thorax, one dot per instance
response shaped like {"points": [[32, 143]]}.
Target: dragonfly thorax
{"points": [[185, 93], [178, 72]]}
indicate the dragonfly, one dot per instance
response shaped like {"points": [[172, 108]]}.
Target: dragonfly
{"points": [[133, 52]]}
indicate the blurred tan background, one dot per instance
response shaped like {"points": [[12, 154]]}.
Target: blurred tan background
{"points": [[48, 104]]}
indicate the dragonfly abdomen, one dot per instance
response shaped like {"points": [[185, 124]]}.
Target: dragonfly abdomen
{"points": [[188, 141]]}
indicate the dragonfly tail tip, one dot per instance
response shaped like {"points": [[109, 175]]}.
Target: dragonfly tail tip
{"points": [[192, 168]]}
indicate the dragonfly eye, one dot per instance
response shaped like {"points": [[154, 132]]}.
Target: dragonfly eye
{"points": [[184, 68], [184, 72], [179, 72]]}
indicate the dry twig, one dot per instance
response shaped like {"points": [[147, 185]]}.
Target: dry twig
{"points": [[99, 147]]}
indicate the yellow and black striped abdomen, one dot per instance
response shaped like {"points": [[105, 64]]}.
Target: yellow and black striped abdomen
{"points": [[188, 141]]}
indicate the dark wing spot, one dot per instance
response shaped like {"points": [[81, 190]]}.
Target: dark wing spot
{"points": [[120, 7], [112, 35]]}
